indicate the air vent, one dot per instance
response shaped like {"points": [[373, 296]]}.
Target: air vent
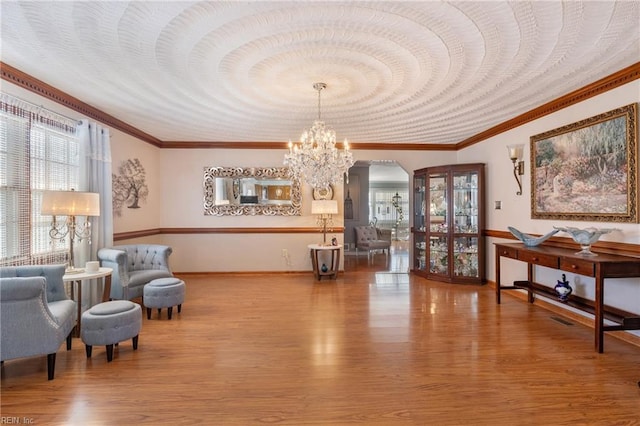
{"points": [[562, 321]]}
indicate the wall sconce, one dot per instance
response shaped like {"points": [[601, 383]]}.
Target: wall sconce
{"points": [[515, 155], [324, 209], [71, 204]]}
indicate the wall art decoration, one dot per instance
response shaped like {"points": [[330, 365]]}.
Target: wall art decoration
{"points": [[587, 170], [353, 191], [129, 186]]}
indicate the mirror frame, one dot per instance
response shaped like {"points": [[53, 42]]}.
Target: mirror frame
{"points": [[211, 209]]}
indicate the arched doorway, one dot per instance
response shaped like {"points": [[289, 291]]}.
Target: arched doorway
{"points": [[377, 193]]}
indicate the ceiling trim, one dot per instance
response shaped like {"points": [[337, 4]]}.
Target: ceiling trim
{"points": [[41, 88]]}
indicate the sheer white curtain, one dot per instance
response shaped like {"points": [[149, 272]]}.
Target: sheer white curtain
{"points": [[95, 176]]}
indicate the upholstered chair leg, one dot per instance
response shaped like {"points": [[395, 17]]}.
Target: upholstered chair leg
{"points": [[69, 342], [88, 348], [159, 312], [148, 313], [180, 308], [135, 342], [51, 365], [170, 311], [109, 353]]}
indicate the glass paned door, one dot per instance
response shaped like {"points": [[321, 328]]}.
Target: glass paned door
{"points": [[420, 252], [438, 199], [439, 255], [465, 257], [419, 205], [465, 202]]}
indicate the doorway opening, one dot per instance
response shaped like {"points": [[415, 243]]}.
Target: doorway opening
{"points": [[377, 194]]}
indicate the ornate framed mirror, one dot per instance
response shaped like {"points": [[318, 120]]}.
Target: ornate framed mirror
{"points": [[237, 191]]}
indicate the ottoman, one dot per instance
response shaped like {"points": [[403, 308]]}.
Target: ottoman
{"points": [[164, 293], [108, 323]]}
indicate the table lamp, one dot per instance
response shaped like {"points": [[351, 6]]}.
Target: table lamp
{"points": [[324, 209], [71, 204]]}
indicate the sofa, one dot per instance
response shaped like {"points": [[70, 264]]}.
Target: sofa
{"points": [[36, 315], [135, 265]]}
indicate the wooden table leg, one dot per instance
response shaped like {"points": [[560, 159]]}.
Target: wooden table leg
{"points": [[497, 276], [79, 282], [530, 279], [314, 263], [599, 314], [106, 292]]}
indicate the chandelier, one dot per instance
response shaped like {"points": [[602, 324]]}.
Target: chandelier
{"points": [[316, 160]]}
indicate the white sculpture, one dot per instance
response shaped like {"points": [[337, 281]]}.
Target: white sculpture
{"points": [[585, 237], [530, 240]]}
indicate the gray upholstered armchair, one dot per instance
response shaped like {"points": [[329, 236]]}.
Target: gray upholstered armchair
{"points": [[135, 265], [367, 238], [36, 315]]}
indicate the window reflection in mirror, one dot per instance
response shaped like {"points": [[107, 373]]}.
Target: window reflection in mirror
{"points": [[251, 191]]}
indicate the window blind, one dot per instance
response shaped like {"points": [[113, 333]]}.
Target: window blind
{"points": [[39, 151]]}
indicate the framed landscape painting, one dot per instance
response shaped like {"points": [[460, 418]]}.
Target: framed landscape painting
{"points": [[587, 170]]}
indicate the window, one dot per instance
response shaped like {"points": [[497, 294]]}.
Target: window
{"points": [[389, 207], [39, 151]]}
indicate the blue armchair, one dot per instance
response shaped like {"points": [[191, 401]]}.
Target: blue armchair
{"points": [[135, 265], [36, 315]]}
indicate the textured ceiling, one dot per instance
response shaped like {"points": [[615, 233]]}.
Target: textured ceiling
{"points": [[396, 72]]}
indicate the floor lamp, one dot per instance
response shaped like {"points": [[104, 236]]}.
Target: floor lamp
{"points": [[324, 209], [70, 204]]}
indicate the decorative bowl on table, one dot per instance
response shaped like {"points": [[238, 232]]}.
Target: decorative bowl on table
{"points": [[585, 237], [530, 240]]}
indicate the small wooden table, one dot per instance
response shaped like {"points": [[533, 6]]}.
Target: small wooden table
{"points": [[77, 278], [600, 267], [332, 270]]}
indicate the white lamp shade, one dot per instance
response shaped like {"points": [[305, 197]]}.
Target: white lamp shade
{"points": [[324, 207], [516, 151], [70, 203]]}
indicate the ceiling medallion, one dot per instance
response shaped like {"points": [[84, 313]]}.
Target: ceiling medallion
{"points": [[316, 160]]}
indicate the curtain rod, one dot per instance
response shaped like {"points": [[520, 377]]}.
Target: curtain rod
{"points": [[38, 108]]}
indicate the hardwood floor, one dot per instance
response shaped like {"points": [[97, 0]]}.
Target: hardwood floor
{"points": [[375, 348]]}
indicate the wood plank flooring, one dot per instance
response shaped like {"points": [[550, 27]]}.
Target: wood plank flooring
{"points": [[373, 348]]}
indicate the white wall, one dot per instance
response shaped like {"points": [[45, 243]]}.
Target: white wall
{"points": [[516, 210], [181, 176], [125, 147]]}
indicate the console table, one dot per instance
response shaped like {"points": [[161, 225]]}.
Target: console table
{"points": [[600, 267], [334, 264]]}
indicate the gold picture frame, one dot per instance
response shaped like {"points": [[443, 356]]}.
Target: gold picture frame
{"points": [[587, 171]]}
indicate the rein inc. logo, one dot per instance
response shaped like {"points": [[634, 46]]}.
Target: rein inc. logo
{"points": [[16, 420]]}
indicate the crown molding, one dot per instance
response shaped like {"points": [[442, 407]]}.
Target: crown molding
{"points": [[45, 90], [21, 79], [624, 76]]}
